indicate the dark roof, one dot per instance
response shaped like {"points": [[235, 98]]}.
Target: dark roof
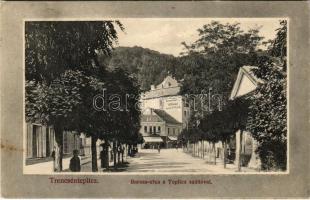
{"points": [[153, 118], [166, 117]]}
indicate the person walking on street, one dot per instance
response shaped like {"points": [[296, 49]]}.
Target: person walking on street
{"points": [[75, 165], [158, 148], [102, 156], [53, 155]]}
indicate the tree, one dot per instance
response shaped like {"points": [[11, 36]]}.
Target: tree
{"points": [[125, 121], [220, 125], [213, 60], [53, 47], [55, 105], [268, 111], [57, 51]]}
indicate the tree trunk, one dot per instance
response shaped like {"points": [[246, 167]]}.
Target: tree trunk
{"points": [[198, 148], [106, 148], [203, 149], [187, 146], [129, 150], [224, 152], [118, 153], [214, 151], [58, 148], [208, 153], [114, 153], [94, 165], [122, 153], [240, 150], [193, 149]]}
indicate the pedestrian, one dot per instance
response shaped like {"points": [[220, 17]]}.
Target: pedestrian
{"points": [[111, 155], [158, 148], [102, 156], [75, 162], [54, 156]]}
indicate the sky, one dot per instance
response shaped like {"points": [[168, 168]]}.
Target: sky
{"points": [[166, 34]]}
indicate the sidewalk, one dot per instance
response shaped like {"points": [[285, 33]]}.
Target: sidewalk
{"points": [[86, 167], [47, 167]]}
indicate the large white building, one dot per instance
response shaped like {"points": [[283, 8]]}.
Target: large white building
{"points": [[165, 113]]}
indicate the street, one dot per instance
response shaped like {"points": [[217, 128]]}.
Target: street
{"points": [[149, 161], [169, 160], [172, 160]]}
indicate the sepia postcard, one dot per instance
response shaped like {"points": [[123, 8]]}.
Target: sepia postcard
{"points": [[155, 100]]}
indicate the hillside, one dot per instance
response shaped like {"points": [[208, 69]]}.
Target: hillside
{"points": [[148, 66]]}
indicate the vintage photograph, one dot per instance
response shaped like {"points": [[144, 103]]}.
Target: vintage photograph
{"points": [[156, 96]]}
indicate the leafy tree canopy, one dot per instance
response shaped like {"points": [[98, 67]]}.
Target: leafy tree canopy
{"points": [[268, 111], [53, 47]]}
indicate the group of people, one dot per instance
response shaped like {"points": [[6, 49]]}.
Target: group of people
{"points": [[75, 162], [75, 165]]}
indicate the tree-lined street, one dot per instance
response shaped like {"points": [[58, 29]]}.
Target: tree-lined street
{"points": [[172, 160], [77, 84]]}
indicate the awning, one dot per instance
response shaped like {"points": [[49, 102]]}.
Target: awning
{"points": [[152, 139], [172, 138]]}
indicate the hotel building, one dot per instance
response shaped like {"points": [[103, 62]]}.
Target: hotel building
{"points": [[164, 114]]}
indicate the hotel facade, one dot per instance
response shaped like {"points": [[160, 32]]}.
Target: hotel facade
{"points": [[164, 114]]}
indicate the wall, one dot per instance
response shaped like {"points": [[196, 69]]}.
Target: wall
{"points": [[152, 124], [177, 128], [40, 141]]}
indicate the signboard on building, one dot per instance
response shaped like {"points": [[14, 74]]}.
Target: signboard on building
{"points": [[172, 103]]}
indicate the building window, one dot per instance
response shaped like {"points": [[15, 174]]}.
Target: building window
{"points": [[158, 129], [145, 129], [150, 129], [173, 131], [154, 129], [168, 131]]}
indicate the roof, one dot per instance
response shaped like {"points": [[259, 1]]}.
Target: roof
{"points": [[152, 139], [245, 71], [168, 87], [151, 118], [166, 117], [168, 82]]}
